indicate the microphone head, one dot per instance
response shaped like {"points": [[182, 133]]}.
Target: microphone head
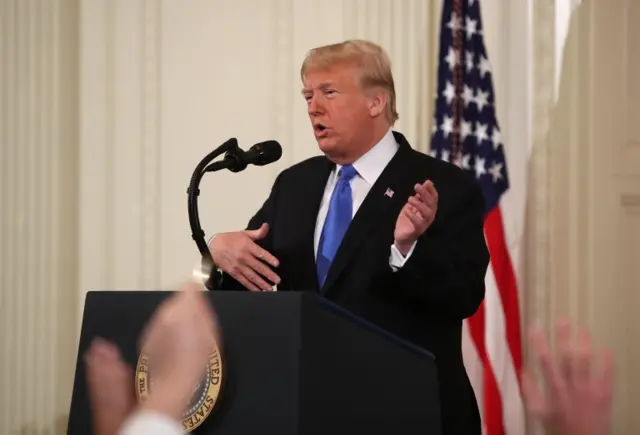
{"points": [[264, 153]]}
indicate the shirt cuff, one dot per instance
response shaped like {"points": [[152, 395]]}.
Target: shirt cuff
{"points": [[396, 260], [209, 246], [150, 422]]}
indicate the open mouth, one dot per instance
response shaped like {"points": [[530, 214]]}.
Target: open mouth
{"points": [[319, 129]]}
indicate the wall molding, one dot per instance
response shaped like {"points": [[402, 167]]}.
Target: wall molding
{"points": [[151, 145], [38, 233], [536, 301], [283, 74]]}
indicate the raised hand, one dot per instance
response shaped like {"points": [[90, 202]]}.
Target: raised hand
{"points": [[578, 385], [179, 339], [110, 385], [416, 216]]}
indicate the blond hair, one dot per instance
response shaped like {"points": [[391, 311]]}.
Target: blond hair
{"points": [[370, 58]]}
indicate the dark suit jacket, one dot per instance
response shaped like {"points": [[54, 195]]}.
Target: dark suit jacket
{"points": [[426, 300]]}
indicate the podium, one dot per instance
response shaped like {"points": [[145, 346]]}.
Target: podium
{"points": [[293, 363]]}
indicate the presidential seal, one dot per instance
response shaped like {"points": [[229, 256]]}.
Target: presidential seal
{"points": [[205, 395]]}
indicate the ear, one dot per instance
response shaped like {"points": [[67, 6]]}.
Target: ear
{"points": [[377, 103]]}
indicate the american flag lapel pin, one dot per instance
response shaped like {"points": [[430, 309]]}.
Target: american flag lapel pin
{"points": [[388, 193]]}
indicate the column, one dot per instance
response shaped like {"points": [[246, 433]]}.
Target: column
{"points": [[38, 221]]}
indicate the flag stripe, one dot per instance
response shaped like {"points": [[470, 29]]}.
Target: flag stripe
{"points": [[506, 283], [500, 358], [492, 412], [473, 363]]}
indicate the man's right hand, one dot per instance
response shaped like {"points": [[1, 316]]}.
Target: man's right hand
{"points": [[239, 255]]}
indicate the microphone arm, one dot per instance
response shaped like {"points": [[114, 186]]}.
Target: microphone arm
{"points": [[193, 191], [235, 160]]}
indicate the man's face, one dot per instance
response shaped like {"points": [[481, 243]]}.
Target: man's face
{"points": [[338, 108]]}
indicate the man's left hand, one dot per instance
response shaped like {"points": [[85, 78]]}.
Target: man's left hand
{"points": [[416, 216]]}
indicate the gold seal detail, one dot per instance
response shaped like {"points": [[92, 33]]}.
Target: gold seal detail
{"points": [[205, 395]]}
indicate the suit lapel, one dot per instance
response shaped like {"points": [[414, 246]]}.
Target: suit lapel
{"points": [[387, 195]]}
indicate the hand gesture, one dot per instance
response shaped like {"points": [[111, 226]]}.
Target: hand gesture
{"points": [[109, 381], [239, 255], [416, 216], [578, 396], [179, 339]]}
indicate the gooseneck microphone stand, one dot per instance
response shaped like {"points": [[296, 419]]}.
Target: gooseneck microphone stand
{"points": [[231, 162]]}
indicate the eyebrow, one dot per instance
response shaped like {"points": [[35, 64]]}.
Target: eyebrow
{"points": [[321, 86]]}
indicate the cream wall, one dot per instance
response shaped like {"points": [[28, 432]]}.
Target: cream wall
{"points": [[106, 106]]}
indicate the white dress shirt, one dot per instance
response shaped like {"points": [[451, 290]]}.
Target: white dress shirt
{"points": [[150, 423], [369, 168]]}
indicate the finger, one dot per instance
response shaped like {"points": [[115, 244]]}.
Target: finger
{"points": [[157, 346], [101, 352], [102, 370], [415, 219], [563, 343], [581, 361], [193, 300], [99, 348], [431, 188], [126, 373], [425, 195], [210, 323], [92, 358], [255, 278], [263, 255], [263, 270], [95, 375], [155, 329], [242, 279], [411, 208], [421, 208], [212, 329], [113, 352], [533, 397], [550, 370], [606, 374], [260, 233], [204, 308]]}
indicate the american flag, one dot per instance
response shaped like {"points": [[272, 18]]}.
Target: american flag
{"points": [[466, 132]]}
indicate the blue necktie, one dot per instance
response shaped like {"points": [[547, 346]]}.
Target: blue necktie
{"points": [[336, 223]]}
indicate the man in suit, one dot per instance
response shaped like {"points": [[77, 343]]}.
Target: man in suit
{"points": [[389, 233]]}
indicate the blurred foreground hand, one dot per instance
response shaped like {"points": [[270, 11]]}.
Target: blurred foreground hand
{"points": [[110, 383], [578, 384], [179, 338]]}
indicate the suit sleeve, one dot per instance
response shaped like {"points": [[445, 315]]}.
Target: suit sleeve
{"points": [[446, 272], [222, 281]]}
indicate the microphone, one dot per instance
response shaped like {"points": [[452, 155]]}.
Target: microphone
{"points": [[237, 160]]}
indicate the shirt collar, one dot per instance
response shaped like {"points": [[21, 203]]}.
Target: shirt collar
{"points": [[371, 164]]}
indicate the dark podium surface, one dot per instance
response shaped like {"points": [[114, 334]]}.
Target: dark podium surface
{"points": [[293, 364]]}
